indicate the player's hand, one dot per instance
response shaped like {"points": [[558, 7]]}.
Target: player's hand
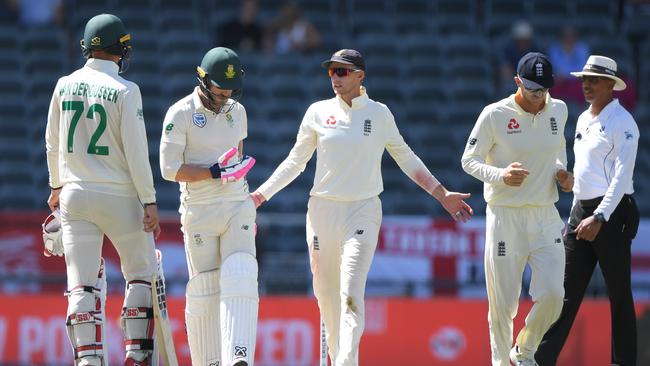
{"points": [[565, 180], [150, 220], [514, 174], [53, 200], [257, 198], [454, 203], [588, 229]]}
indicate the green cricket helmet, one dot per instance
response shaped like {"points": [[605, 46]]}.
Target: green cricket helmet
{"points": [[106, 32], [222, 68]]}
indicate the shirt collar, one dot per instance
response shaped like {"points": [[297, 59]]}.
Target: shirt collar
{"points": [[106, 66], [520, 110], [357, 102], [609, 109]]}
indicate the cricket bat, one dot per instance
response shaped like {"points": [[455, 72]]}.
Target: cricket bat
{"points": [[164, 341]]}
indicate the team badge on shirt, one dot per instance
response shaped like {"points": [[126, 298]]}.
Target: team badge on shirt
{"points": [[553, 126], [367, 127], [628, 135], [231, 122], [199, 119]]}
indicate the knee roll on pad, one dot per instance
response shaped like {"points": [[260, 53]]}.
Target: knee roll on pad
{"points": [[239, 276], [137, 320], [239, 305], [202, 318]]}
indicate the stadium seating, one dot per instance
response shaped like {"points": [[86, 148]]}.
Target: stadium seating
{"points": [[429, 61]]}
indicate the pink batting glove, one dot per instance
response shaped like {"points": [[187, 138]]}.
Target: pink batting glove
{"points": [[237, 171], [224, 159]]}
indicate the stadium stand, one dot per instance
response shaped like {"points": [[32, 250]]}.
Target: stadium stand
{"points": [[432, 62]]}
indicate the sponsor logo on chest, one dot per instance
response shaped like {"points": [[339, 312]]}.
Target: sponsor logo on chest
{"points": [[330, 122], [199, 119], [513, 127]]}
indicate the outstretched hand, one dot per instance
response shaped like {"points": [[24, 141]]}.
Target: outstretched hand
{"points": [[454, 203]]}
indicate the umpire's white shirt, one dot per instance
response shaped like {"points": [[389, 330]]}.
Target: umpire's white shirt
{"points": [[200, 136], [605, 149], [504, 133], [350, 141], [95, 135]]}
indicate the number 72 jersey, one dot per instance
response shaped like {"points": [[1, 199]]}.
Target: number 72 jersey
{"points": [[96, 134]]}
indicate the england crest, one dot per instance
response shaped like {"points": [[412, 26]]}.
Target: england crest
{"points": [[199, 119]]}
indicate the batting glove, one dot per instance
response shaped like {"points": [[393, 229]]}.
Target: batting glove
{"points": [[52, 235]]}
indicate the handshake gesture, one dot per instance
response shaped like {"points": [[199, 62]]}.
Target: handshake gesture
{"points": [[230, 171]]}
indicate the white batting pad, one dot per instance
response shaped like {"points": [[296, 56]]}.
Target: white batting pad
{"points": [[239, 304], [85, 321], [137, 320], [202, 318]]}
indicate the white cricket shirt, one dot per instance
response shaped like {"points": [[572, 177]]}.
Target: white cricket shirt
{"points": [[504, 133], [203, 137], [350, 142], [95, 135], [605, 149]]}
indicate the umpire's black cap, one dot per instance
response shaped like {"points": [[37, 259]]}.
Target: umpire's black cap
{"points": [[346, 56], [535, 71]]}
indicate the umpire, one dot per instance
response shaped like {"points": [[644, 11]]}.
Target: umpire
{"points": [[604, 218]]}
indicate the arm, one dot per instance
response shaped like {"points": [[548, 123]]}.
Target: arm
{"points": [[52, 150], [134, 140], [415, 169], [625, 147], [293, 165], [481, 141], [563, 177]]}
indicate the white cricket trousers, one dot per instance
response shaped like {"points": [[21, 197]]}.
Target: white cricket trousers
{"points": [[86, 216], [342, 237], [212, 232], [516, 236]]}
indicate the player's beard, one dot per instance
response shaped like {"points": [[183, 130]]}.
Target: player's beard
{"points": [[211, 103]]}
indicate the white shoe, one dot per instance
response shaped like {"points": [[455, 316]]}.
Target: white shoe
{"points": [[520, 361]]}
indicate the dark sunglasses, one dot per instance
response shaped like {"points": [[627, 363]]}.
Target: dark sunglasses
{"points": [[591, 79], [536, 91], [341, 71]]}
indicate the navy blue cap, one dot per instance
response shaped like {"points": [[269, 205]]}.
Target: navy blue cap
{"points": [[348, 57], [535, 71]]}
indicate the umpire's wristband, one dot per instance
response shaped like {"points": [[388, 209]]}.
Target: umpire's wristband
{"points": [[215, 171]]}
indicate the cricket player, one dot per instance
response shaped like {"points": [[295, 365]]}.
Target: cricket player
{"points": [[200, 147], [350, 133], [100, 178], [517, 149]]}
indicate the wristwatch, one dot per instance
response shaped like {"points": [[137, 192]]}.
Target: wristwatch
{"points": [[600, 217]]}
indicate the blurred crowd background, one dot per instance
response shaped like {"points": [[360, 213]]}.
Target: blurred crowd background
{"points": [[436, 64]]}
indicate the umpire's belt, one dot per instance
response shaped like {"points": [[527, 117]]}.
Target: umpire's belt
{"points": [[595, 201]]}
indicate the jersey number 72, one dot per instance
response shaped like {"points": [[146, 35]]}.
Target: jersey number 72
{"points": [[78, 108]]}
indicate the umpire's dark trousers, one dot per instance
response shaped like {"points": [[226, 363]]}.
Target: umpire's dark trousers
{"points": [[611, 249]]}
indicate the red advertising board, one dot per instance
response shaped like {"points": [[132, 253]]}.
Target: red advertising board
{"points": [[398, 332]]}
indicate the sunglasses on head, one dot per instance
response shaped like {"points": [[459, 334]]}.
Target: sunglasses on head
{"points": [[341, 71]]}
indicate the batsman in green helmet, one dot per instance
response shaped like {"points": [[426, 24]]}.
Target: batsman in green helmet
{"points": [[105, 35], [201, 149], [220, 79], [101, 181]]}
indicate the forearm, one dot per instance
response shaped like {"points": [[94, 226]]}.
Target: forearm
{"points": [[482, 171], [192, 173]]}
